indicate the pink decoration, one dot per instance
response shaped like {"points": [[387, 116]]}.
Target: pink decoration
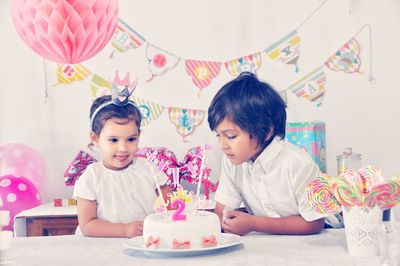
{"points": [[65, 31], [177, 215], [209, 241], [77, 167], [20, 160], [202, 72], [180, 244], [152, 242], [189, 167], [17, 194]]}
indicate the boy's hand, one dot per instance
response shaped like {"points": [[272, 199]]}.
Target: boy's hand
{"points": [[237, 222], [134, 229]]}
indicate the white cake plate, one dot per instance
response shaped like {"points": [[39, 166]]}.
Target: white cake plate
{"points": [[226, 240]]}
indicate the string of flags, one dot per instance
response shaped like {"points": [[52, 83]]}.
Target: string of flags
{"points": [[310, 87], [285, 51]]}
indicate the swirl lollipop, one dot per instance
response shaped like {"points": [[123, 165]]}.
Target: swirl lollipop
{"points": [[371, 176], [320, 196], [386, 194], [347, 188]]}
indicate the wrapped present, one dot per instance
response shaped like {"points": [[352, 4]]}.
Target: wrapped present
{"points": [[77, 166], [309, 136]]}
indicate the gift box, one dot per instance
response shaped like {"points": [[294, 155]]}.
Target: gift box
{"points": [[309, 136]]}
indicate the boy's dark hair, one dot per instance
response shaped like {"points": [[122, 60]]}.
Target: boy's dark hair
{"points": [[251, 104], [128, 111]]}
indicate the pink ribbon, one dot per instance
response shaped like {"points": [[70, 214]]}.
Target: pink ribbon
{"points": [[209, 241], [152, 242], [182, 245]]}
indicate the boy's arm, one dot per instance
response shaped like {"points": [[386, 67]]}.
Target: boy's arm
{"points": [[242, 223], [91, 226]]}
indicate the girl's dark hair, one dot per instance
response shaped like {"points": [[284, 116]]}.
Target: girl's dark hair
{"points": [[128, 111], [251, 104]]}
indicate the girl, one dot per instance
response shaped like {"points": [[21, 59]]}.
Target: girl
{"points": [[117, 193], [259, 168]]}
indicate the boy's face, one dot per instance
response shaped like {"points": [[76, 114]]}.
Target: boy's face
{"points": [[236, 143], [117, 143]]}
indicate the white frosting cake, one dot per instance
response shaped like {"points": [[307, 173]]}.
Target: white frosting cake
{"points": [[199, 230]]}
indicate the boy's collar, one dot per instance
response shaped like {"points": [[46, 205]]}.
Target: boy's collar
{"points": [[268, 154]]}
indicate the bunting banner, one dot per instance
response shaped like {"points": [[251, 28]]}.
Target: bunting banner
{"points": [[99, 87], [160, 61], [149, 110], [202, 72], [286, 50], [185, 120], [311, 87], [249, 63], [125, 37], [70, 73], [346, 59]]}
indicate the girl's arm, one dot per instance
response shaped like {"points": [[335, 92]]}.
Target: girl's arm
{"points": [[91, 226], [241, 223]]}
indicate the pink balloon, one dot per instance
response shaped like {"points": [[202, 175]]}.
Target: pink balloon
{"points": [[20, 160], [17, 194], [65, 31]]}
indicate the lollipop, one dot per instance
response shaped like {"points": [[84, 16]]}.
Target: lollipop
{"points": [[386, 194], [370, 176], [347, 188], [320, 196]]}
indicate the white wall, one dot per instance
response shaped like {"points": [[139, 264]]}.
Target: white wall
{"points": [[358, 114]]}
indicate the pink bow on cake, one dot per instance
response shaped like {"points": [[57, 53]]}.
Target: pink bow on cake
{"points": [[152, 242], [183, 245], [209, 241]]}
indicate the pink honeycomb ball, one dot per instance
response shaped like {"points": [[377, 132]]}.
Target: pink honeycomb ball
{"points": [[17, 194]]}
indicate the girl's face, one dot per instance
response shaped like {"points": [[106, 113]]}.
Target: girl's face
{"points": [[237, 144], [117, 143]]}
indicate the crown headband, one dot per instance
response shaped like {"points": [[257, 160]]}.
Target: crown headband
{"points": [[118, 97]]}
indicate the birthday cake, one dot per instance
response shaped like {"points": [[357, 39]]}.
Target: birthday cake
{"points": [[183, 228]]}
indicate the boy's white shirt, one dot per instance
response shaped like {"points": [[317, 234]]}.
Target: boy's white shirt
{"points": [[274, 185], [121, 196]]}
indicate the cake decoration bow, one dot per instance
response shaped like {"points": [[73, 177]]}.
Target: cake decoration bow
{"points": [[154, 242], [180, 244], [209, 241]]}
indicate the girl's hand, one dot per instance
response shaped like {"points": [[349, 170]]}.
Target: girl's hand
{"points": [[134, 229], [237, 222]]}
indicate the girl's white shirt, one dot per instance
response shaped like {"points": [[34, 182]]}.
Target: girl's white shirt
{"points": [[121, 196], [274, 185]]}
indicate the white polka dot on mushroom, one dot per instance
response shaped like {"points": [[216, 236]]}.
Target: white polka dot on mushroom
{"points": [[11, 197], [5, 182], [22, 187], [1, 201]]}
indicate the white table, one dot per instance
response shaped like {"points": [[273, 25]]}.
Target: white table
{"points": [[327, 248], [62, 218]]}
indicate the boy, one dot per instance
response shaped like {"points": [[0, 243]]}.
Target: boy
{"points": [[259, 168]]}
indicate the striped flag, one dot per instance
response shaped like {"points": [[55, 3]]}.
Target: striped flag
{"points": [[202, 72], [311, 87], [70, 73], [125, 38], [149, 110], [286, 50]]}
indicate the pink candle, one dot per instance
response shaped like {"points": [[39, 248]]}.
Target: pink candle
{"points": [[178, 216]]}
